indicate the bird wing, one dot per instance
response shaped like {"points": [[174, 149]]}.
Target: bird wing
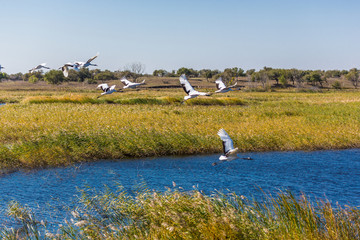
{"points": [[125, 81], [226, 140], [103, 86], [186, 85], [88, 61], [112, 87], [69, 64], [232, 85], [42, 65], [220, 84]]}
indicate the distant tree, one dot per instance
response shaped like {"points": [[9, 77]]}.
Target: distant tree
{"points": [[296, 76], [105, 75], [238, 72], [83, 73], [16, 76], [54, 77], [38, 74], [136, 69], [314, 78], [160, 73], [188, 72], [261, 77], [267, 68], [333, 74], [353, 77], [33, 79], [344, 72], [283, 81], [3, 76], [95, 71], [206, 73], [336, 85], [183, 70], [274, 74], [230, 75], [250, 72], [73, 76]]}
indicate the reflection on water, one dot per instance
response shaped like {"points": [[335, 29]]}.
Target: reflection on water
{"points": [[331, 174]]}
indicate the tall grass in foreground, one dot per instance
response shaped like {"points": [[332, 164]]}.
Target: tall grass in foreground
{"points": [[178, 215]]}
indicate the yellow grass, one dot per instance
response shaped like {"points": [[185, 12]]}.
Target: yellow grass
{"points": [[79, 127]]}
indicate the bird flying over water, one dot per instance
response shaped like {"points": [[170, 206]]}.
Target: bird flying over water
{"points": [[189, 90], [106, 89], [221, 88], [65, 68], [78, 65], [128, 84], [228, 147], [38, 67], [229, 152]]}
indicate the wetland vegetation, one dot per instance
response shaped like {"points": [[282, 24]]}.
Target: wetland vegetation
{"points": [[50, 125], [193, 215], [52, 128]]}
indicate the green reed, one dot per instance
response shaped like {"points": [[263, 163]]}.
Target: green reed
{"points": [[190, 215]]}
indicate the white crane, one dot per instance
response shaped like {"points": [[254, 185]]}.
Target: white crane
{"points": [[221, 88], [230, 153], [1, 67], [65, 68], [228, 147], [129, 84], [38, 67], [189, 89], [106, 89], [78, 65]]}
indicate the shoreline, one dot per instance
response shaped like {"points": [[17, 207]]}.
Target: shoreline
{"points": [[6, 171]]}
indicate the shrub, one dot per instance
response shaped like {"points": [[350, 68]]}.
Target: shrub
{"points": [[54, 77], [336, 85], [33, 79]]}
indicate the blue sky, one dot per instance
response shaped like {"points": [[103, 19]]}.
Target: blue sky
{"points": [[171, 34]]}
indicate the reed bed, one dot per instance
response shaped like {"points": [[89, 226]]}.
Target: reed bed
{"points": [[61, 129], [132, 101], [189, 215]]}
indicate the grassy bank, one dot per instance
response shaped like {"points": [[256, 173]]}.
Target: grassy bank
{"points": [[178, 215], [57, 129]]}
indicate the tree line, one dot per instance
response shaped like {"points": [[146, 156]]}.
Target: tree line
{"points": [[282, 77]]}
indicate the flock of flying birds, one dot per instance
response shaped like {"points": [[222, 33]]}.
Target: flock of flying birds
{"points": [[229, 152]]}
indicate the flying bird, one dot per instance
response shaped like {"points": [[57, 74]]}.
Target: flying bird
{"points": [[106, 89], [230, 153], [78, 65], [189, 89], [129, 84], [221, 88], [65, 68], [228, 147], [1, 67], [38, 67]]}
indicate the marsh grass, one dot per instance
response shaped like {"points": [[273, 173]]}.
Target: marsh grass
{"points": [[132, 101], [190, 215], [61, 129]]}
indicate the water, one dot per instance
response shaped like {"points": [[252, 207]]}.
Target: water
{"points": [[334, 175]]}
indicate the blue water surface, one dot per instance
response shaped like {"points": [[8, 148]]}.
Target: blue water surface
{"points": [[334, 175]]}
